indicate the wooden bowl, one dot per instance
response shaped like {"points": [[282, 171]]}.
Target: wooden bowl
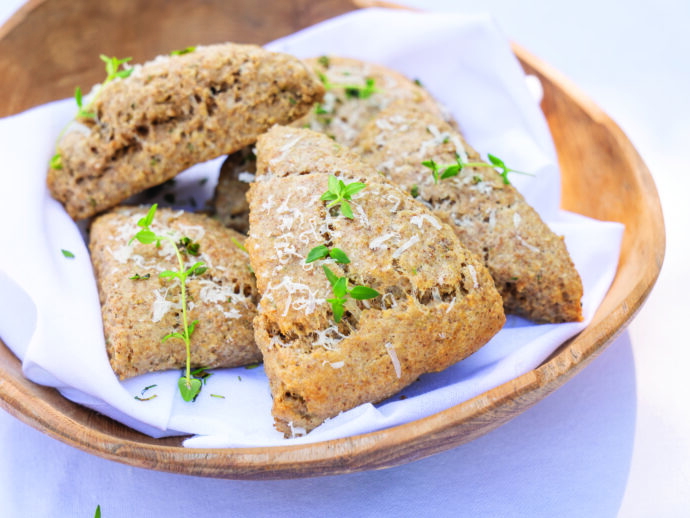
{"points": [[41, 59]]}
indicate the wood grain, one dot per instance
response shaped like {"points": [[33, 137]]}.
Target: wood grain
{"points": [[50, 46]]}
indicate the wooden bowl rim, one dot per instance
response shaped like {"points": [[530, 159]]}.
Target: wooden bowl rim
{"points": [[390, 446]]}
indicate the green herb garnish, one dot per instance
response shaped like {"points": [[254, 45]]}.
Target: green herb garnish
{"points": [[339, 192], [189, 387], [497, 162], [56, 161], [414, 191], [361, 92], [113, 71], [218, 396], [67, 254], [202, 374], [82, 111], [441, 172], [319, 110], [239, 245], [137, 277], [322, 251], [98, 512], [352, 91], [181, 52], [144, 391], [341, 291], [252, 366], [188, 246], [324, 61]]}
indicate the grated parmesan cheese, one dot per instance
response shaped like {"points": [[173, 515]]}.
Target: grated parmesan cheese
{"points": [[362, 215], [328, 342], [285, 149], [473, 273], [407, 244], [394, 200], [394, 358], [377, 242], [526, 244], [161, 305], [419, 220], [306, 303]]}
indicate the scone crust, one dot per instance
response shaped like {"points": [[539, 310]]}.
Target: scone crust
{"points": [[438, 302]]}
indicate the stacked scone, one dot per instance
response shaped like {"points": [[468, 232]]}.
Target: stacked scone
{"points": [[361, 270]]}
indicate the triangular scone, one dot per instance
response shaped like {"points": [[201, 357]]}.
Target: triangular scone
{"points": [[437, 305], [529, 263], [172, 113], [344, 111], [138, 313]]}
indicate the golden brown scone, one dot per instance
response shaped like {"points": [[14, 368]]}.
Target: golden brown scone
{"points": [[344, 112], [230, 197], [438, 303], [137, 314], [529, 263], [172, 113]]}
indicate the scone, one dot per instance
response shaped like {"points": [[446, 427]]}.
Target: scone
{"points": [[529, 263], [437, 303], [139, 308], [355, 92], [172, 113]]}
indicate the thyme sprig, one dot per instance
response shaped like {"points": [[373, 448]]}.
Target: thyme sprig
{"points": [[114, 68], [441, 172], [352, 91], [189, 386], [339, 193], [341, 290]]}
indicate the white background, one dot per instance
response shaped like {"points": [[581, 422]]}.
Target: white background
{"points": [[614, 441]]}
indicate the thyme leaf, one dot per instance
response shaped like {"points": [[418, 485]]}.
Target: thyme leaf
{"points": [[189, 387], [339, 193], [341, 291]]}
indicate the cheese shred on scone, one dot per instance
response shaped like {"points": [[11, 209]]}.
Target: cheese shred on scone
{"points": [[437, 302], [139, 308], [529, 263], [172, 113]]}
